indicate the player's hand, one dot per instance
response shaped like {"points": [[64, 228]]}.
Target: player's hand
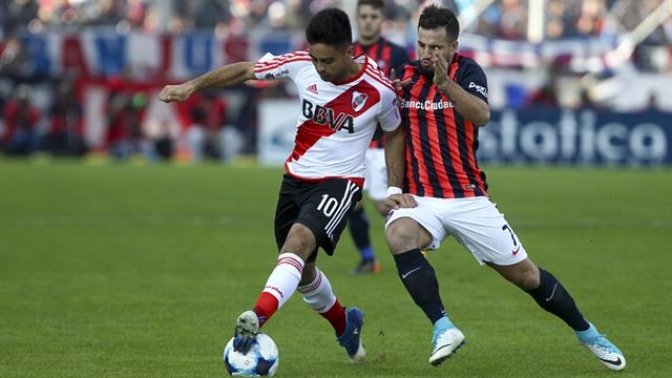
{"points": [[398, 83], [171, 93], [440, 68], [398, 201]]}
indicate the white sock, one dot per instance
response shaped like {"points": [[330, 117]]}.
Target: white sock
{"points": [[285, 278], [318, 294]]}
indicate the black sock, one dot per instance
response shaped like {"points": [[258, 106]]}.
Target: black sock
{"points": [[359, 229], [421, 283], [553, 297]]}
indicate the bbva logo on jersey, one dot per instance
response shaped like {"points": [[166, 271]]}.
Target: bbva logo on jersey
{"points": [[358, 100], [323, 115]]}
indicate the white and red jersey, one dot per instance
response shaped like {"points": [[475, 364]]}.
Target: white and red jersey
{"points": [[337, 120]]}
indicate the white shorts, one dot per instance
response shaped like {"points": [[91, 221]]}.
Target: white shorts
{"points": [[475, 222], [376, 174]]}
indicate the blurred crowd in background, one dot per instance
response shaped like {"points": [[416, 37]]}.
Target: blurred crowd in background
{"points": [[222, 125], [506, 19]]}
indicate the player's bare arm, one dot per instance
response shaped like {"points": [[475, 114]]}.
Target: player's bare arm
{"points": [[468, 105], [226, 76], [395, 161]]}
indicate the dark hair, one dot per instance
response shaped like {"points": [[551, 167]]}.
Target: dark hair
{"points": [[377, 4], [434, 17], [330, 26]]}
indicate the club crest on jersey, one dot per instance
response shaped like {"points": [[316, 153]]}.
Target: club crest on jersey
{"points": [[323, 115], [359, 100]]}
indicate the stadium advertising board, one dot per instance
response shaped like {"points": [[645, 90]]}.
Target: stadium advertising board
{"points": [[577, 137], [549, 136], [277, 127]]}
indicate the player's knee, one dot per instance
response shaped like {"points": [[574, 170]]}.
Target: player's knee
{"points": [[402, 235], [525, 276], [300, 241]]}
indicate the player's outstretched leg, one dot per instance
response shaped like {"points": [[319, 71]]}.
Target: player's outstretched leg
{"points": [[605, 351], [446, 341], [247, 328], [351, 338], [552, 296]]}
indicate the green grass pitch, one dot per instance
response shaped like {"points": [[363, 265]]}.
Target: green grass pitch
{"points": [[127, 271]]}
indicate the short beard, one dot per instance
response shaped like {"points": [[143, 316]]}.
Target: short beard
{"points": [[429, 72]]}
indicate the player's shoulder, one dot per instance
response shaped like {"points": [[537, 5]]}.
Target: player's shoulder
{"points": [[290, 57], [467, 63], [373, 72], [468, 70]]}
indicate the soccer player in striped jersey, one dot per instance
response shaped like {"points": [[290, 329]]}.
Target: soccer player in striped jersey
{"points": [[343, 100], [444, 192], [387, 55]]}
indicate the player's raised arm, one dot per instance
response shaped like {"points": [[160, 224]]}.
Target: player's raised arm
{"points": [[226, 76], [468, 105]]}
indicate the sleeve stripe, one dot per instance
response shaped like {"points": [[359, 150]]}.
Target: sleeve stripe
{"points": [[381, 79], [275, 63]]}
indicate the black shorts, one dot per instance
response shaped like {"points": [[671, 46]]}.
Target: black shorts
{"points": [[323, 207]]}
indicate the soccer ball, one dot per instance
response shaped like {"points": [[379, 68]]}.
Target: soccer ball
{"points": [[260, 361]]}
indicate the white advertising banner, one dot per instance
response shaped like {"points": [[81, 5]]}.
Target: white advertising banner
{"points": [[277, 128]]}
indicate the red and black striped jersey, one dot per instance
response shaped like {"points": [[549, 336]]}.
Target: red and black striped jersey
{"points": [[387, 55], [441, 144]]}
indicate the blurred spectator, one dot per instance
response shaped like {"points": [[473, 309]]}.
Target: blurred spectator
{"points": [[124, 114], [586, 100], [135, 13], [547, 94], [163, 145], [215, 108], [246, 120], [18, 13], [210, 13], [512, 20], [65, 135], [298, 14], [118, 125], [556, 19], [14, 60], [208, 120], [104, 12], [3, 21], [652, 103], [21, 135], [544, 97], [590, 21], [195, 134]]}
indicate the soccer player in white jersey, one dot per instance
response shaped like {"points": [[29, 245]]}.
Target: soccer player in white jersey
{"points": [[342, 101]]}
